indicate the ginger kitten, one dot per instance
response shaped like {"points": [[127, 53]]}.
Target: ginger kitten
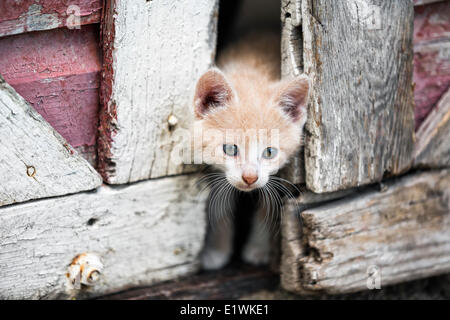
{"points": [[259, 120]]}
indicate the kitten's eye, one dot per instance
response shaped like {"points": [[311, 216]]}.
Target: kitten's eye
{"points": [[270, 153], [230, 150]]}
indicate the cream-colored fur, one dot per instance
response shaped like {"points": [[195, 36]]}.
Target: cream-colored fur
{"points": [[236, 102]]}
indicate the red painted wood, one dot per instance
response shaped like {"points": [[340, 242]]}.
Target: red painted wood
{"points": [[432, 22], [431, 57], [58, 72], [20, 16], [108, 108]]}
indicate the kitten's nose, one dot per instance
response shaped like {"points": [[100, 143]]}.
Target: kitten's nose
{"points": [[249, 178]]}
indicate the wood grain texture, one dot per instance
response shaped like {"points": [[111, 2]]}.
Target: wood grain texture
{"points": [[361, 114], [35, 15], [291, 38], [58, 73], [432, 148], [144, 233], [401, 230], [291, 66], [154, 52], [35, 161]]}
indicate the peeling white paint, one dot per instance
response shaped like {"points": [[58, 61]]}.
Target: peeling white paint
{"points": [[160, 50]]}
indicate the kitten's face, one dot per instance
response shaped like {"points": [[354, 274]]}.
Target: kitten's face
{"points": [[249, 131]]}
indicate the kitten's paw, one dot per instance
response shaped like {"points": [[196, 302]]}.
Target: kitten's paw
{"points": [[256, 255], [214, 259]]}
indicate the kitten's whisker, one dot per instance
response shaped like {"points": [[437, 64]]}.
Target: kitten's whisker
{"points": [[224, 206], [215, 191], [268, 214], [208, 176], [231, 201], [287, 182], [214, 204], [272, 213], [282, 188], [211, 183], [278, 204]]}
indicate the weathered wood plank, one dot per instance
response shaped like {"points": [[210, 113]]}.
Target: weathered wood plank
{"points": [[291, 66], [154, 52], [35, 161], [58, 73], [144, 233], [361, 115], [258, 284], [401, 231], [432, 148], [291, 38], [233, 282], [431, 57], [431, 61], [35, 15]]}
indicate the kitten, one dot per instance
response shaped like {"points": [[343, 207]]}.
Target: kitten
{"points": [[237, 102]]}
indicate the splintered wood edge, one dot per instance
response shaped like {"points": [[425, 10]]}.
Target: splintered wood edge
{"points": [[401, 231]]}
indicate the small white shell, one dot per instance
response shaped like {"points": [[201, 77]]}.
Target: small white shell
{"points": [[85, 269]]}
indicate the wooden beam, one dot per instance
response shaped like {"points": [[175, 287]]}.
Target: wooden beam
{"points": [[432, 148], [154, 52], [401, 232], [143, 233], [234, 282], [58, 73], [35, 161], [36, 15], [291, 66], [431, 63], [361, 115]]}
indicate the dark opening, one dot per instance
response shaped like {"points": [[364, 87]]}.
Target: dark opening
{"points": [[239, 17]]}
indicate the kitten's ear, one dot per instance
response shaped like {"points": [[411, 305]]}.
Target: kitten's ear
{"points": [[292, 98], [212, 91]]}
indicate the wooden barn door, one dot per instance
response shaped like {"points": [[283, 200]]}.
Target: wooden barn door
{"points": [[358, 225]]}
